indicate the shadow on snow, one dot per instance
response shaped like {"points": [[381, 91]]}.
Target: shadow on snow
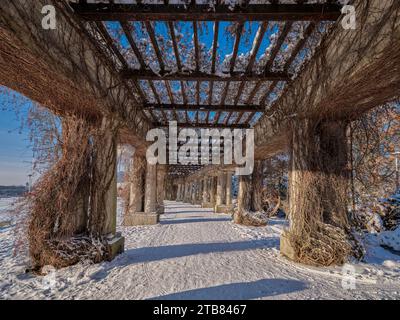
{"points": [[239, 291], [151, 254]]}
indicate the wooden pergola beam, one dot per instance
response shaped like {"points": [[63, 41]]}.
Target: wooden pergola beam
{"points": [[213, 58], [274, 53], [202, 12], [203, 76], [299, 46], [253, 53], [111, 44], [155, 93], [204, 107], [238, 35], [171, 28], [127, 28], [203, 125], [154, 43]]}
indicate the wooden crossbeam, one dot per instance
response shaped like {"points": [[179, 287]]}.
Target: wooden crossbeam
{"points": [[299, 46], [238, 35], [111, 44], [155, 93], [203, 76], [275, 50], [202, 12], [253, 53], [160, 60], [204, 107], [285, 31], [203, 125], [213, 58], [177, 57], [126, 27], [274, 53], [197, 60]]}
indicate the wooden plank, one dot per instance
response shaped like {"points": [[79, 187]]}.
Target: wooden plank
{"points": [[213, 59], [203, 76], [111, 44], [171, 28], [128, 33], [274, 53], [203, 125], [238, 35], [202, 12], [204, 107], [253, 53]]}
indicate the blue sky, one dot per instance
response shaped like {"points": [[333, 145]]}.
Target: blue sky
{"points": [[15, 153]]}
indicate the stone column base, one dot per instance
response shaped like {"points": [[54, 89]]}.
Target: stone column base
{"points": [[223, 209], [115, 245], [286, 247], [207, 205], [141, 219]]}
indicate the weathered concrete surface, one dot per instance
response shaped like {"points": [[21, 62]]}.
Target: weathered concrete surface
{"points": [[223, 208], [115, 246], [352, 72], [141, 218], [207, 205], [286, 247], [150, 193], [136, 183], [63, 69]]}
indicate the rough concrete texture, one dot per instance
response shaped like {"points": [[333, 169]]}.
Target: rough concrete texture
{"points": [[141, 218]]}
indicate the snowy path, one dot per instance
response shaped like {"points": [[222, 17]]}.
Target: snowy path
{"points": [[196, 254]]}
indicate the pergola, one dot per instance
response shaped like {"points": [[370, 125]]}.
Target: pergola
{"points": [[199, 91], [120, 68], [194, 87]]}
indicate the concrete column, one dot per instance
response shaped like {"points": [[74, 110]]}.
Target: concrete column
{"points": [[136, 180], [103, 213], [178, 192], [199, 193], [318, 192], [205, 195], [212, 190], [187, 192], [183, 192], [193, 193], [150, 189], [220, 191], [228, 188], [161, 183], [244, 195], [144, 211]]}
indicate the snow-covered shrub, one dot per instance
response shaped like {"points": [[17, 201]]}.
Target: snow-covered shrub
{"points": [[390, 239], [391, 212]]}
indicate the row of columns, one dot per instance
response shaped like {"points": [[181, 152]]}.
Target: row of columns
{"points": [[211, 191], [317, 186], [147, 191]]}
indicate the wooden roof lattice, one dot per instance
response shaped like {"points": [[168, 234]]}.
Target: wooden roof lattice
{"points": [[192, 78]]}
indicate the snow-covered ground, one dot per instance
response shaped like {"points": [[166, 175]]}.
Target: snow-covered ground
{"points": [[196, 254]]}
